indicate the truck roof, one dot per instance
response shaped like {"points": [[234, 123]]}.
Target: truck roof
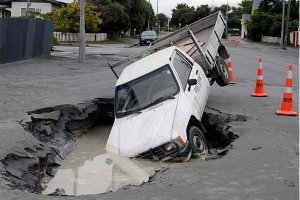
{"points": [[146, 65]]}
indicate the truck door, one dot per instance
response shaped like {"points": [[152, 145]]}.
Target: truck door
{"points": [[185, 71]]}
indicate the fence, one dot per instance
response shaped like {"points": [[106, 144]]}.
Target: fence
{"points": [[270, 39], [73, 37], [24, 38], [294, 38]]}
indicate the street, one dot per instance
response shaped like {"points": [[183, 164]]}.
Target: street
{"points": [[263, 163]]}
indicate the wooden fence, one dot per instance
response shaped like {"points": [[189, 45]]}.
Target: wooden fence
{"points": [[294, 38], [73, 37]]}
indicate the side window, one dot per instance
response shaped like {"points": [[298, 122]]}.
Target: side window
{"points": [[183, 69]]}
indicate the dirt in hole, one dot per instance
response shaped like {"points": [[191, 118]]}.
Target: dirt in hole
{"points": [[30, 165], [219, 134]]}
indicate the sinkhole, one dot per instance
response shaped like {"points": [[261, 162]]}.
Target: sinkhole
{"points": [[68, 155]]}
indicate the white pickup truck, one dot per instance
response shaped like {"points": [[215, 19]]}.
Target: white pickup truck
{"points": [[161, 94], [159, 100]]}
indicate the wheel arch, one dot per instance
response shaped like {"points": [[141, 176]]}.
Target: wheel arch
{"points": [[195, 122]]}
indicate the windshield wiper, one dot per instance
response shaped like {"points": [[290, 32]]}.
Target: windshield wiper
{"points": [[138, 110], [161, 99]]}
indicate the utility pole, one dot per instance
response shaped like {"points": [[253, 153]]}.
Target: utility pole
{"points": [[82, 32], [27, 8], [287, 25], [149, 16], [282, 25], [227, 20], [157, 18]]}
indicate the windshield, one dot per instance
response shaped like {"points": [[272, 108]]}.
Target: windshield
{"points": [[148, 33], [145, 91]]}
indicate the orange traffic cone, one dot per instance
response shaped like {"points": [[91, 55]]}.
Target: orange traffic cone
{"points": [[229, 65], [236, 42], [287, 100], [259, 89]]}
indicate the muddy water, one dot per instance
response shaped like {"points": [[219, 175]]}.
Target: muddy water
{"points": [[89, 169]]}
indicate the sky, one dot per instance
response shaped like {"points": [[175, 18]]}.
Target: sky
{"points": [[166, 6]]}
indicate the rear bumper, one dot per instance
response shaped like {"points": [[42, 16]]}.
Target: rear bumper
{"points": [[146, 41]]}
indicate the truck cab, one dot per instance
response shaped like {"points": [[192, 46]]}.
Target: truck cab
{"points": [[159, 102]]}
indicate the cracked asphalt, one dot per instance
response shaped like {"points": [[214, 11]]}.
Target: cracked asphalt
{"points": [[264, 161]]}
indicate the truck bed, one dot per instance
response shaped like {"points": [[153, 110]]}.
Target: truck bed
{"points": [[200, 40]]}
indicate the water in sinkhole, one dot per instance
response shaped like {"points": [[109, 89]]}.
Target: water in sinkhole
{"points": [[89, 169]]}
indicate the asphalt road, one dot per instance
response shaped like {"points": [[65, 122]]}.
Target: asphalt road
{"points": [[270, 172]]}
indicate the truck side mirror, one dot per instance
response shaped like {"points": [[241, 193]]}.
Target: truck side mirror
{"points": [[191, 82]]}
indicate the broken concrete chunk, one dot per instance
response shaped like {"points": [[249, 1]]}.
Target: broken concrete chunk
{"points": [[256, 148], [58, 192], [52, 116], [43, 129]]}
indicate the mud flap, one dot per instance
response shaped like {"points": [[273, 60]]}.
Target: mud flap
{"points": [[223, 51]]}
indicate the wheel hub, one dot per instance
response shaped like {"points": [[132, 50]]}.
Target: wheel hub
{"points": [[198, 143], [224, 71]]}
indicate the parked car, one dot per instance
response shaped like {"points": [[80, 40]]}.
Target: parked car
{"points": [[159, 102], [147, 37], [234, 31]]}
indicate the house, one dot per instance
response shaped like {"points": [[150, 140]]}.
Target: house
{"points": [[247, 17], [17, 8], [5, 4]]}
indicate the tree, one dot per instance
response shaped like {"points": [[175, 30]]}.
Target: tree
{"points": [[267, 19], [245, 6], [133, 14], [139, 12], [150, 18], [66, 19], [163, 19], [182, 15], [264, 24], [115, 19], [202, 11], [222, 8], [275, 6]]}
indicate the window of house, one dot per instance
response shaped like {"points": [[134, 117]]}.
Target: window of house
{"points": [[23, 11]]}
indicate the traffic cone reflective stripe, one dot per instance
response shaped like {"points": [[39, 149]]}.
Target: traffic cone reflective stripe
{"points": [[287, 100], [259, 89], [229, 65]]}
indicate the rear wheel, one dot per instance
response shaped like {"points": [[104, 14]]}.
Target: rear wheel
{"points": [[197, 140], [223, 78]]}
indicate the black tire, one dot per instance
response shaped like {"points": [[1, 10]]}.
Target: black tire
{"points": [[197, 140], [223, 78]]}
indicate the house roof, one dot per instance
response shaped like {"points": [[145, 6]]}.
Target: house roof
{"points": [[56, 2], [5, 3], [49, 1]]}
